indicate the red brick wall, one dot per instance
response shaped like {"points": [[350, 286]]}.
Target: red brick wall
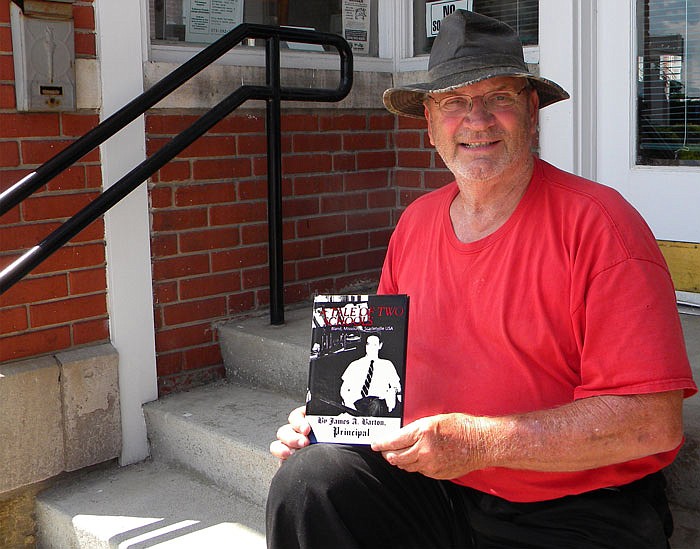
{"points": [[346, 176], [62, 303], [209, 222], [419, 168]]}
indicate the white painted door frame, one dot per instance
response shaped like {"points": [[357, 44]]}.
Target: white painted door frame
{"points": [[127, 226], [587, 47], [568, 45], [584, 43], [666, 196]]}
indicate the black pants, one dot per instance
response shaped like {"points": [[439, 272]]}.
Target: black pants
{"points": [[331, 496]]}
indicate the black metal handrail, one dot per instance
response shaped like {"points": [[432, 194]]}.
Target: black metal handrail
{"points": [[273, 93]]}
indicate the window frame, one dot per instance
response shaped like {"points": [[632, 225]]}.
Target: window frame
{"points": [[255, 57], [395, 47]]}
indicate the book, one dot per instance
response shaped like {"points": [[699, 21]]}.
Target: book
{"points": [[357, 367]]}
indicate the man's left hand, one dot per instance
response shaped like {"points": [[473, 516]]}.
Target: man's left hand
{"points": [[445, 446]]}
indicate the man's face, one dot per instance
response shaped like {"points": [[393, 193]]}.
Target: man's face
{"points": [[481, 145], [373, 345]]}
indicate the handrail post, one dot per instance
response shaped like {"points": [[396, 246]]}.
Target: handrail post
{"points": [[274, 182]]}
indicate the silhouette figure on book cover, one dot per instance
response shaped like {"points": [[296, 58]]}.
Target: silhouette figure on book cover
{"points": [[371, 384]]}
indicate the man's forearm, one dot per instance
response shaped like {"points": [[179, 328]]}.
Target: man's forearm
{"points": [[585, 434]]}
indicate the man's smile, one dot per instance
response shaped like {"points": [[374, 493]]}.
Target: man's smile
{"points": [[478, 145]]}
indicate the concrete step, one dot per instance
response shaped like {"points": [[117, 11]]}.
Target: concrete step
{"points": [[150, 504], [223, 432], [686, 533], [259, 354], [684, 473]]}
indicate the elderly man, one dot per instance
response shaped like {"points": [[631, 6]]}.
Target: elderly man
{"points": [[546, 366]]}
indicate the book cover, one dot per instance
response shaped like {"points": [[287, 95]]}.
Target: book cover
{"points": [[357, 367]]}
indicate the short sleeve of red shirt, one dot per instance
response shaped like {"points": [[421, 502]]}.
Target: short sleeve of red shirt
{"points": [[621, 355]]}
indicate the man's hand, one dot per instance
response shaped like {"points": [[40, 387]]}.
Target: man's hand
{"points": [[292, 436], [443, 447]]}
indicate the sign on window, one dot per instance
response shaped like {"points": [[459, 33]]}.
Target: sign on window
{"points": [[435, 12], [356, 24], [208, 20]]}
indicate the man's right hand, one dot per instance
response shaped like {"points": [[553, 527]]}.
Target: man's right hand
{"points": [[292, 436]]}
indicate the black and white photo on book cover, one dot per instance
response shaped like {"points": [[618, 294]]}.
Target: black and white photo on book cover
{"points": [[357, 367]]}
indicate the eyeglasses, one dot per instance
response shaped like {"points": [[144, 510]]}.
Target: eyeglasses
{"points": [[494, 101]]}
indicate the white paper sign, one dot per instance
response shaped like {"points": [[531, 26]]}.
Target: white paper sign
{"points": [[356, 24], [208, 20], [437, 11]]}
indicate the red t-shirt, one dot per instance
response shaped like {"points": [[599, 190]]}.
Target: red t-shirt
{"points": [[570, 298]]}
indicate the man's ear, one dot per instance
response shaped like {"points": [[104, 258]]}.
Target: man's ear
{"points": [[426, 112], [535, 107]]}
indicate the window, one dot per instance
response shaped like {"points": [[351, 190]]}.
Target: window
{"points": [[668, 83], [203, 21], [522, 15]]}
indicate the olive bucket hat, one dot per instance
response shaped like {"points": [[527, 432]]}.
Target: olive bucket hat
{"points": [[469, 48]]}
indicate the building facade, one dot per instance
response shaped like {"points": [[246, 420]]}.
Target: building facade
{"points": [[188, 249]]}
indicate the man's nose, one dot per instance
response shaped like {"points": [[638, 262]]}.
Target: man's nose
{"points": [[478, 116]]}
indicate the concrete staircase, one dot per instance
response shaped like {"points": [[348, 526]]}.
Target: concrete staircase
{"points": [[206, 482]]}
